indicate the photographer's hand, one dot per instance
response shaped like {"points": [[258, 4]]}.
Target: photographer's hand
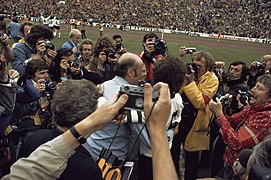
{"points": [[75, 71], [149, 48], [40, 46], [102, 57], [13, 73], [51, 53], [74, 49], [7, 52], [163, 167], [189, 78], [216, 107], [40, 85], [3, 71], [114, 60]]}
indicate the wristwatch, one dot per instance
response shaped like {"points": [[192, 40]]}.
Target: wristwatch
{"points": [[77, 136]]}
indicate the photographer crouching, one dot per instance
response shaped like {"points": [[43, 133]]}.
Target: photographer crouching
{"points": [[34, 94], [154, 50]]}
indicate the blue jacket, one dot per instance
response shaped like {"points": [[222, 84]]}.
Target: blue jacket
{"points": [[22, 52]]}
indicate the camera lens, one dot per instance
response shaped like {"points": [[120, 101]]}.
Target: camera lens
{"points": [[127, 88]]}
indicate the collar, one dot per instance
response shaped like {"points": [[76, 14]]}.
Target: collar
{"points": [[204, 76], [119, 80]]}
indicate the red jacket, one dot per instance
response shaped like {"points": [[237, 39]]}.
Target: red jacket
{"points": [[244, 129], [149, 67]]}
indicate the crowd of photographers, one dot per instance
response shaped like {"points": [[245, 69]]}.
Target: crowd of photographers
{"points": [[238, 18], [49, 90]]}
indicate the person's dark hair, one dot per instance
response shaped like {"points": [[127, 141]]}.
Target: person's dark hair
{"points": [[55, 69], [73, 101], [260, 158], [207, 56], [86, 41], [101, 43], [266, 81], [2, 18], [150, 35], [116, 36], [33, 66], [15, 19], [164, 70], [38, 31], [26, 23], [124, 65], [244, 72]]}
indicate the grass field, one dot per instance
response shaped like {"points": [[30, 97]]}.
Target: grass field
{"points": [[225, 50]]}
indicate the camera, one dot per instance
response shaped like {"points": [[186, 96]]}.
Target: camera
{"points": [[192, 66], [218, 71], [160, 47], [76, 62], [118, 47], [190, 50], [225, 100], [136, 96], [110, 54], [47, 44], [244, 96], [45, 117], [50, 87], [256, 68]]}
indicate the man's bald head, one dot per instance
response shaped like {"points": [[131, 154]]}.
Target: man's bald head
{"points": [[130, 67], [129, 57]]}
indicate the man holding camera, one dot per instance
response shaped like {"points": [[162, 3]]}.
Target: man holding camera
{"points": [[257, 69], [154, 50], [74, 42], [248, 127], [33, 98], [37, 45], [104, 58], [230, 85], [117, 136], [198, 88], [69, 97], [7, 89], [118, 46]]}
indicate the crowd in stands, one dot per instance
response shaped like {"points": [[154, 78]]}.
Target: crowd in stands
{"points": [[239, 18]]}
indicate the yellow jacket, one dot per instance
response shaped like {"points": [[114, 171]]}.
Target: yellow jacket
{"points": [[199, 94]]}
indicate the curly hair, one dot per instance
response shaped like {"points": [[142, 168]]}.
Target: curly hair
{"points": [[171, 70], [38, 31], [101, 43], [73, 101]]}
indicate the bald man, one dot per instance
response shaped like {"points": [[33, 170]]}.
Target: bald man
{"points": [[130, 69]]}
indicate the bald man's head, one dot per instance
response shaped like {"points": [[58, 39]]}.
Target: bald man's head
{"points": [[126, 61], [130, 67]]}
